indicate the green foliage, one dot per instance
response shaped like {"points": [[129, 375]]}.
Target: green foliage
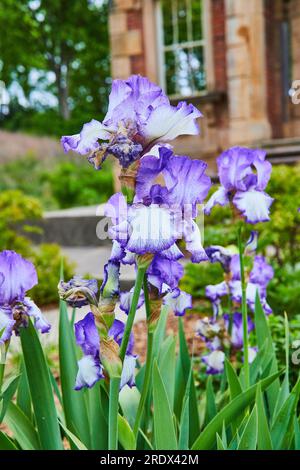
{"points": [[237, 418], [78, 184], [63, 49], [279, 240], [66, 183]]}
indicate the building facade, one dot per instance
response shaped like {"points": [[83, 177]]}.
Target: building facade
{"points": [[236, 60]]}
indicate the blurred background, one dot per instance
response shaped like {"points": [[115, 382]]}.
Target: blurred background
{"points": [[236, 60]]}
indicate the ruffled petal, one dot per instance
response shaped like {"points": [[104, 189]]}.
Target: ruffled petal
{"points": [[235, 268], [111, 283], [173, 253], [178, 301], [89, 372], [116, 331], [6, 324], [186, 181], [262, 272], [127, 376], [166, 122], [214, 292], [254, 205], [193, 241], [263, 169], [87, 140], [126, 300], [220, 197], [234, 165], [18, 275], [87, 336], [39, 320], [164, 274], [151, 165], [152, 229]]}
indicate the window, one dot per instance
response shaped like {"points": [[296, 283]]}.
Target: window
{"points": [[181, 44]]}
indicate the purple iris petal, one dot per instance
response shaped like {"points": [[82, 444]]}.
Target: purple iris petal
{"points": [[214, 362], [126, 300], [133, 100], [218, 254], [178, 301], [111, 283], [252, 289], [164, 274], [116, 331], [235, 268], [219, 197], [186, 181], [173, 253], [87, 336], [233, 166], [251, 245], [18, 276], [32, 310], [254, 205], [167, 122], [237, 329], [193, 241], [151, 166], [127, 376], [87, 140], [89, 372], [7, 323], [262, 272], [263, 168], [214, 292]]}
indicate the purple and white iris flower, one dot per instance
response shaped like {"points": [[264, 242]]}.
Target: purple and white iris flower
{"points": [[214, 362], [139, 115], [160, 215], [244, 174], [90, 369], [236, 336], [17, 276]]}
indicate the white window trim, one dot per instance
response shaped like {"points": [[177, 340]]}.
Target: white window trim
{"points": [[206, 43]]}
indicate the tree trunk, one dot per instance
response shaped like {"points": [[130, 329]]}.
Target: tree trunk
{"points": [[63, 92]]}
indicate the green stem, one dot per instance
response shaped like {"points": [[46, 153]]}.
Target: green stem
{"points": [[114, 386], [131, 314], [244, 309], [148, 367]]}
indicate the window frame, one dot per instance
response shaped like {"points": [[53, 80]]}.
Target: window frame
{"points": [[205, 43]]}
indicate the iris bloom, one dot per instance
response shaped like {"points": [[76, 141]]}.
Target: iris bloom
{"points": [[90, 369], [78, 291], [244, 174], [139, 115], [161, 215], [17, 276]]}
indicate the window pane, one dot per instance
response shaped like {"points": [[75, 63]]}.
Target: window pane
{"points": [[167, 22], [182, 20], [196, 7], [185, 73]]}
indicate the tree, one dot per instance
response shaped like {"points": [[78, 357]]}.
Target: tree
{"points": [[65, 42]]}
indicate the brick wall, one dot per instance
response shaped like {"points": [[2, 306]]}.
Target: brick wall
{"points": [[219, 43]]}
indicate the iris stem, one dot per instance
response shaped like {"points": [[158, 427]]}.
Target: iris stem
{"points": [[114, 385], [148, 366], [244, 309], [131, 315]]}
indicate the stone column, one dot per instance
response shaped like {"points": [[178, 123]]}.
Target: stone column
{"points": [[246, 71], [126, 38], [295, 39]]}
